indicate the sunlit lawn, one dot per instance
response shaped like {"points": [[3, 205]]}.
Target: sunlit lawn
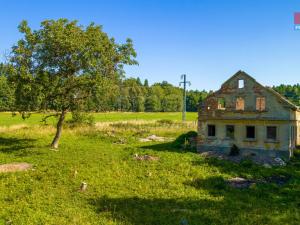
{"points": [[180, 188]]}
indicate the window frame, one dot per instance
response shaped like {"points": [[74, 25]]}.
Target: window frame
{"points": [[250, 138], [276, 133], [220, 105], [208, 130], [233, 133], [236, 101], [259, 98], [241, 83]]}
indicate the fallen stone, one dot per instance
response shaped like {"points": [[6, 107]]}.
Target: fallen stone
{"points": [[83, 186], [266, 165], [145, 157], [153, 138], [280, 162], [14, 167], [239, 182]]}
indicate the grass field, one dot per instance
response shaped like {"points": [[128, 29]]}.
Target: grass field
{"points": [[7, 119], [179, 188]]}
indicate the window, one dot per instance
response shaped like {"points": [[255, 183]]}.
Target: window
{"points": [[292, 134], [240, 104], [230, 131], [221, 103], [211, 130], [241, 83], [250, 132], [272, 133], [260, 103]]}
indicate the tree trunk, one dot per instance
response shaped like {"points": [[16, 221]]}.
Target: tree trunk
{"points": [[59, 126]]}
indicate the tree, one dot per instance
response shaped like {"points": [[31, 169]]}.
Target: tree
{"points": [[146, 83], [6, 90], [58, 66]]}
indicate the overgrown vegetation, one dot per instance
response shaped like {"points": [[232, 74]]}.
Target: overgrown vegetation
{"points": [[179, 187], [234, 150]]}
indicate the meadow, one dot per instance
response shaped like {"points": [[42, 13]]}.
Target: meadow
{"points": [[181, 187]]}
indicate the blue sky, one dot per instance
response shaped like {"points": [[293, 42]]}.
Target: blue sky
{"points": [[209, 40]]}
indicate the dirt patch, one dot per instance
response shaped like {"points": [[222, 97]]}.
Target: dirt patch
{"points": [[267, 162], [145, 157], [13, 167]]}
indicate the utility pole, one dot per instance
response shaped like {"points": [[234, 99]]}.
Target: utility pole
{"points": [[184, 82]]}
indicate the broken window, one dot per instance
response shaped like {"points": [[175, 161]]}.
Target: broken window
{"points": [[260, 103], [241, 83], [221, 103], [240, 103], [211, 130], [272, 133], [250, 132], [230, 131]]}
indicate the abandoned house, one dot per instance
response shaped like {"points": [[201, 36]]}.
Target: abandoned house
{"points": [[254, 118]]}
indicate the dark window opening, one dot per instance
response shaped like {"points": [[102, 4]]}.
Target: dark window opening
{"points": [[272, 133], [230, 131], [250, 132], [221, 103], [211, 130]]}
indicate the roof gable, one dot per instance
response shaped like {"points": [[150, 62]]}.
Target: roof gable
{"points": [[241, 75]]}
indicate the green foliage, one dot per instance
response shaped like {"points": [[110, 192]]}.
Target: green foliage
{"points": [[7, 97], [60, 66], [234, 150], [186, 141], [291, 92], [165, 122], [81, 119]]}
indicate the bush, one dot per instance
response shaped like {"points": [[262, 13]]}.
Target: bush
{"points": [[234, 151], [81, 118], [165, 122], [186, 141]]}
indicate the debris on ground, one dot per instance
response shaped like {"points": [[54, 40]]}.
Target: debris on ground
{"points": [[279, 161], [239, 182], [278, 179], [266, 162], [146, 157], [153, 138], [83, 186], [13, 167]]}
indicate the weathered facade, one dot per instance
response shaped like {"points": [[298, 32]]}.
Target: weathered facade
{"points": [[255, 118]]}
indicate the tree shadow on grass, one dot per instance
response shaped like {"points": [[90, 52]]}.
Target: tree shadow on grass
{"points": [[217, 204], [166, 146], [248, 169], [183, 143], [12, 145]]}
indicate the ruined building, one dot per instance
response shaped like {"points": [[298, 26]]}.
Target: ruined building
{"points": [[254, 118]]}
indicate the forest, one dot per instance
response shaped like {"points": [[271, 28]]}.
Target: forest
{"points": [[134, 95], [122, 94]]}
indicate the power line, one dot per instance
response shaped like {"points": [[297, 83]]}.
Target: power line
{"points": [[184, 82]]}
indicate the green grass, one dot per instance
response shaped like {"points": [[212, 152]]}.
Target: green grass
{"points": [[180, 186], [7, 119]]}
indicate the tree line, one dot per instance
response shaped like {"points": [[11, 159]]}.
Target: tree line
{"points": [[133, 95], [66, 67], [126, 94]]}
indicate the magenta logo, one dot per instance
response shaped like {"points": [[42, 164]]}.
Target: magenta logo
{"points": [[297, 20]]}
